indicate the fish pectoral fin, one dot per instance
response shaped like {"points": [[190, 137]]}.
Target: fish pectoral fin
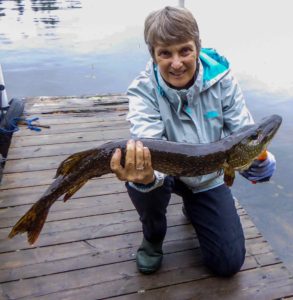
{"points": [[229, 174], [70, 162], [73, 190]]}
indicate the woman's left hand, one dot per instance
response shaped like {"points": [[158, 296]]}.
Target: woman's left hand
{"points": [[261, 170]]}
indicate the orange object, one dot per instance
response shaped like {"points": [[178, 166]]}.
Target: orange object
{"points": [[263, 155]]}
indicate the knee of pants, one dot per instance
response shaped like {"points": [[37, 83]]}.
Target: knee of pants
{"points": [[227, 262]]}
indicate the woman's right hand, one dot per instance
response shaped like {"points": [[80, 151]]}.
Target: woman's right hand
{"points": [[138, 165]]}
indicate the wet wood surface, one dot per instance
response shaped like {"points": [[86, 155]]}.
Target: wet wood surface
{"points": [[87, 247]]}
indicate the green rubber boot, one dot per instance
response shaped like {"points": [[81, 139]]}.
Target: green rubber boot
{"points": [[149, 256]]}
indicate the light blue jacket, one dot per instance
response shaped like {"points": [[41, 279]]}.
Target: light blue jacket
{"points": [[210, 109]]}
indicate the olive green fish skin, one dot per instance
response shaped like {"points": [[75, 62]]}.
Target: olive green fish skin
{"points": [[182, 159], [234, 152]]}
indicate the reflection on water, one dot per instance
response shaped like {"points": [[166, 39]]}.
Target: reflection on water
{"points": [[38, 5], [54, 4], [43, 10], [68, 47]]}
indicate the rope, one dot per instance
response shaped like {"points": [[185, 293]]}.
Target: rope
{"points": [[29, 123], [13, 127]]}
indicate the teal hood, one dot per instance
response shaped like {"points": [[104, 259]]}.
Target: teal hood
{"points": [[214, 65]]}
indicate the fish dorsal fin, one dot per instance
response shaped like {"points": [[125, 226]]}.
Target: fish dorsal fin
{"points": [[70, 162]]}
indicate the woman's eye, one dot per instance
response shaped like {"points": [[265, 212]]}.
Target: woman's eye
{"points": [[185, 51], [164, 53]]}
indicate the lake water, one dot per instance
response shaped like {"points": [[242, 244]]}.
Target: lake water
{"points": [[76, 47], [66, 48]]}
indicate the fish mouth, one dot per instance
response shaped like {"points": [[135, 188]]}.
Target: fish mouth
{"points": [[268, 128]]}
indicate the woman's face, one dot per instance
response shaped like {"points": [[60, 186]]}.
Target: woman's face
{"points": [[177, 62]]}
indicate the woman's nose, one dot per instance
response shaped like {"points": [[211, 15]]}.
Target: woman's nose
{"points": [[176, 62]]}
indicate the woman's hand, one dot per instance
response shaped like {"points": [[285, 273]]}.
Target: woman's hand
{"points": [[138, 165], [261, 170]]}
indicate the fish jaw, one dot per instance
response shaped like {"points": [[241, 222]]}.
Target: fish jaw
{"points": [[268, 128]]}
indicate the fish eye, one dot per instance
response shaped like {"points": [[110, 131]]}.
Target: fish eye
{"points": [[254, 136]]}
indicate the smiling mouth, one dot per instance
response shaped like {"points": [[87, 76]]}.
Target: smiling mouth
{"points": [[177, 74]]}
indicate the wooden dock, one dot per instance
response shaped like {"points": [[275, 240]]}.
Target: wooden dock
{"points": [[88, 245]]}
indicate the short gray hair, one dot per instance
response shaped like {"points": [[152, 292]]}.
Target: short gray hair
{"points": [[170, 25]]}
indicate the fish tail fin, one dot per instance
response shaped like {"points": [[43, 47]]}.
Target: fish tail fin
{"points": [[32, 223]]}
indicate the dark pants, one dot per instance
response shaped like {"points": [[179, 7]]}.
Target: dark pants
{"points": [[212, 214]]}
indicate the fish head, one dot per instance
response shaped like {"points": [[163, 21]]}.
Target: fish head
{"points": [[263, 132], [253, 140]]}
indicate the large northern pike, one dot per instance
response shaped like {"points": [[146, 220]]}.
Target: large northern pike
{"points": [[234, 152]]}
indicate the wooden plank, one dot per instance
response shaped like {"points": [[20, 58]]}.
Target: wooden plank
{"points": [[33, 164], [71, 137], [80, 278], [65, 231], [36, 255], [96, 205], [103, 108], [60, 103], [52, 161], [76, 118], [91, 227], [18, 180], [80, 255], [87, 206], [29, 195], [43, 177], [73, 101], [183, 236], [269, 282], [119, 278], [113, 124], [52, 150], [138, 286], [178, 238]]}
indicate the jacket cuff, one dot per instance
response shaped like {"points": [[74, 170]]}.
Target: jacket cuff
{"points": [[145, 188]]}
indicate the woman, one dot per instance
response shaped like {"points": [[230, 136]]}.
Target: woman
{"points": [[186, 94]]}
